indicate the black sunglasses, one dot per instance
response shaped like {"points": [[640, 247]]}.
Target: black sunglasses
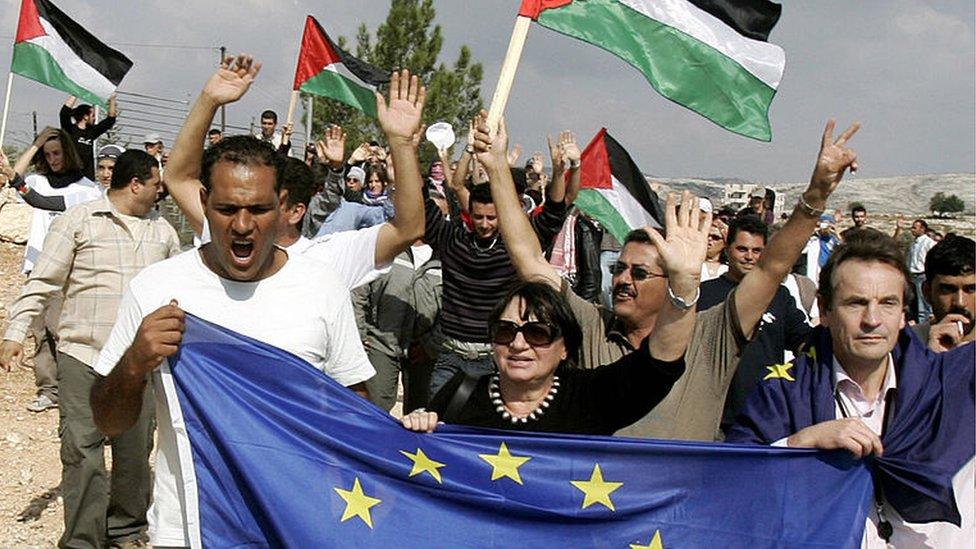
{"points": [[637, 272], [538, 334]]}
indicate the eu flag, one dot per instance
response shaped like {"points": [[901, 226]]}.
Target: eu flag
{"points": [[285, 457]]}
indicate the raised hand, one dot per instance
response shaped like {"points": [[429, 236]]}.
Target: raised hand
{"points": [[682, 253], [232, 79], [555, 153], [400, 116], [834, 159], [514, 154], [359, 155], [570, 150], [46, 134], [490, 151], [332, 148]]}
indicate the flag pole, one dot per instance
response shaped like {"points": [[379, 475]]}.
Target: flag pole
{"points": [[507, 75], [291, 106], [6, 107]]}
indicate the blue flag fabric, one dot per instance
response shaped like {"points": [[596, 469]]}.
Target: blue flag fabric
{"points": [[930, 434], [285, 457]]}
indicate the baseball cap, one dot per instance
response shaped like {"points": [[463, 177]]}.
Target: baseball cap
{"points": [[152, 138], [758, 192], [109, 151]]}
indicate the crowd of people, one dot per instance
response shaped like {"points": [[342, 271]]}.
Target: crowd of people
{"points": [[478, 285]]}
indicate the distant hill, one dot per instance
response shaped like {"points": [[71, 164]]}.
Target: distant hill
{"points": [[908, 194]]}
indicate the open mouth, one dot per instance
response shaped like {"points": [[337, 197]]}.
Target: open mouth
{"points": [[242, 251], [623, 293]]}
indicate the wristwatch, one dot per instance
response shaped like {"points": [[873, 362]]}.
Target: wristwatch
{"points": [[681, 303]]}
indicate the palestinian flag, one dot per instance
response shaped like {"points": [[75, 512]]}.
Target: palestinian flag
{"points": [[54, 50], [614, 191], [326, 69], [711, 56]]}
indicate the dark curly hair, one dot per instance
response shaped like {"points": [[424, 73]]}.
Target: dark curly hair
{"points": [[241, 149]]}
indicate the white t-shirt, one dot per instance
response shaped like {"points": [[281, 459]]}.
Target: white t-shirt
{"points": [[351, 254], [303, 308], [79, 192]]}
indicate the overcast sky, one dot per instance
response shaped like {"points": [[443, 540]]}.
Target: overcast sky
{"points": [[905, 68]]}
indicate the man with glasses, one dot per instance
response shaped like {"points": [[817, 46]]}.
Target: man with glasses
{"points": [[693, 408]]}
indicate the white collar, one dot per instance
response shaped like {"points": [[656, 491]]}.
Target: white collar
{"points": [[890, 381]]}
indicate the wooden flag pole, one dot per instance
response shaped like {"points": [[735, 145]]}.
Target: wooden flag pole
{"points": [[507, 75], [6, 107], [291, 106]]}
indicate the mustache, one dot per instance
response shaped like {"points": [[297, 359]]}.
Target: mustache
{"points": [[624, 287]]}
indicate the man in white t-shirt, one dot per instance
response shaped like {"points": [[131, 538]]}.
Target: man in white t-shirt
{"points": [[240, 280], [354, 255]]}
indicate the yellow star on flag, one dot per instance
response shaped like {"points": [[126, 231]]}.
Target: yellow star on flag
{"points": [[812, 353], [358, 504], [779, 371], [654, 544], [423, 464], [504, 464], [597, 490]]}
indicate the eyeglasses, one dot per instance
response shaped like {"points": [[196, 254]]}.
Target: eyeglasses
{"points": [[637, 272], [352, 179], [537, 334], [715, 237]]}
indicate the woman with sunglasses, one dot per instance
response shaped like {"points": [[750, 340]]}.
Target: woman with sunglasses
{"points": [[536, 342]]}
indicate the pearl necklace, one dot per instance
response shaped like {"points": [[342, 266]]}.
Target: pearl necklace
{"points": [[496, 398]]}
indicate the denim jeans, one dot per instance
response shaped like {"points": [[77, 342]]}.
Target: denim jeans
{"points": [[450, 361], [923, 307]]}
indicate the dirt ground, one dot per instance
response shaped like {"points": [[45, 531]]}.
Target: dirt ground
{"points": [[30, 506]]}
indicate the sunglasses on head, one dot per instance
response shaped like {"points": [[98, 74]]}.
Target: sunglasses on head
{"points": [[535, 333], [637, 272]]}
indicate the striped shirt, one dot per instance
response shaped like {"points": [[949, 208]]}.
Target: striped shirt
{"points": [[477, 276], [91, 252]]}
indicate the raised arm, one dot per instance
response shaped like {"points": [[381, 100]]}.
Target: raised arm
{"points": [[557, 187], [106, 123], [400, 118], [572, 156], [460, 175], [757, 289], [25, 158], [681, 255], [520, 239], [227, 85]]}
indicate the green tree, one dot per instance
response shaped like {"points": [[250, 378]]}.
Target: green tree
{"points": [[409, 39], [942, 203]]}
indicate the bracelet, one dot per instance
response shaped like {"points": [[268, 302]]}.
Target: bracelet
{"points": [[574, 164], [808, 209], [681, 303]]}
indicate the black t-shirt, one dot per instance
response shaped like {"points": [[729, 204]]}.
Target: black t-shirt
{"points": [[84, 139], [596, 402], [783, 327]]}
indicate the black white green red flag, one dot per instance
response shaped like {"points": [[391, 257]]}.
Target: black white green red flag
{"points": [[711, 56], [326, 69], [55, 50], [614, 191]]}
